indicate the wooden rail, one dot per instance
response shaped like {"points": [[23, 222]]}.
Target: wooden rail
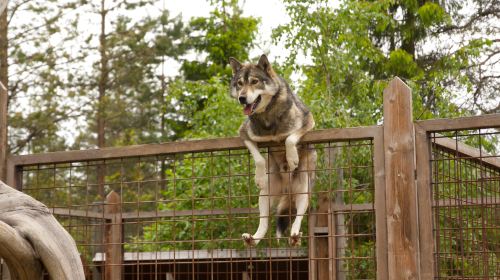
{"points": [[191, 146]]}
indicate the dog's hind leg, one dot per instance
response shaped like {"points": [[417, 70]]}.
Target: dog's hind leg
{"points": [[301, 203], [301, 187]]}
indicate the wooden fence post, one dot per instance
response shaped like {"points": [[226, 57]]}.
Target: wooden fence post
{"points": [[3, 132], [113, 237], [401, 210], [425, 224], [3, 5]]}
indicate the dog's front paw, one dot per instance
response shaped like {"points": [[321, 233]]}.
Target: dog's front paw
{"points": [[249, 240], [293, 161], [261, 177], [294, 239]]}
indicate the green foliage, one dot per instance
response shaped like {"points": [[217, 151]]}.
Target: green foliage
{"points": [[402, 64], [431, 14], [358, 46], [223, 34]]}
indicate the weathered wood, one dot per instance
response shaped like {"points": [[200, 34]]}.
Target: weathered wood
{"points": [[4, 271], [204, 256], [475, 122], [114, 237], [379, 204], [11, 173], [313, 266], [18, 253], [324, 269], [3, 131], [31, 237], [426, 240], [402, 234], [339, 239], [334, 134], [3, 5]]}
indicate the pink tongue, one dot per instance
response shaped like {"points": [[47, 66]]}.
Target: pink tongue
{"points": [[247, 110]]}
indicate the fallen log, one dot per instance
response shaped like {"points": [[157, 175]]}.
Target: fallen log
{"points": [[32, 240]]}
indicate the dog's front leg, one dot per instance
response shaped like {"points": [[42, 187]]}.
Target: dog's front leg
{"points": [[264, 200], [260, 164], [264, 205], [292, 155]]}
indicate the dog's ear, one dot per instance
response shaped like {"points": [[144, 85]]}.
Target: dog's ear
{"points": [[265, 65], [235, 64]]}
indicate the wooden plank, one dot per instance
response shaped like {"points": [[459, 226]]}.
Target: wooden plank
{"points": [[219, 144], [466, 151], [425, 222], [209, 255], [79, 213], [3, 131], [467, 202], [181, 213], [462, 123], [380, 211], [332, 245], [324, 269], [402, 232], [312, 229], [113, 237], [3, 5], [11, 173]]}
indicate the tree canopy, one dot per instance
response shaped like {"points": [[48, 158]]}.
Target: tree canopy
{"points": [[109, 80]]}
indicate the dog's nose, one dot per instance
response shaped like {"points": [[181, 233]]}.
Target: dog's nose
{"points": [[242, 99]]}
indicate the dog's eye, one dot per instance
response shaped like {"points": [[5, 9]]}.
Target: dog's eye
{"points": [[255, 81], [240, 83]]}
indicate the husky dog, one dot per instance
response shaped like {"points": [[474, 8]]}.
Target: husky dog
{"points": [[275, 114]]}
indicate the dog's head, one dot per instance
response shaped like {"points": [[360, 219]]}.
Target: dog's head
{"points": [[253, 85]]}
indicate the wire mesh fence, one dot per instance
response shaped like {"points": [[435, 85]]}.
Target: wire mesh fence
{"points": [[466, 204], [178, 210], [181, 215]]}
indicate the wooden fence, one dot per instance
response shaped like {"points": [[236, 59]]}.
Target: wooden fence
{"points": [[406, 199]]}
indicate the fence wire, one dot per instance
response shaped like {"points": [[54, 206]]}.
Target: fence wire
{"points": [[181, 216], [466, 204]]}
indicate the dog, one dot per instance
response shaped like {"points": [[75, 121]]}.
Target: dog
{"points": [[275, 114]]}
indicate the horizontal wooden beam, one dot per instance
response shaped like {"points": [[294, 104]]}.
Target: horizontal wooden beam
{"points": [[467, 202], [190, 213], [189, 255], [208, 145], [467, 151], [78, 213], [474, 122]]}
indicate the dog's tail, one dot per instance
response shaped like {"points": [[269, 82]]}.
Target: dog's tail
{"points": [[284, 213]]}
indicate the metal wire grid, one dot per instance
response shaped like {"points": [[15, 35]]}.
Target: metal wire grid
{"points": [[182, 215], [466, 199]]}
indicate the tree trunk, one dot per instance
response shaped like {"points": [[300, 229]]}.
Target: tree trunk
{"points": [[103, 81], [31, 239], [3, 93]]}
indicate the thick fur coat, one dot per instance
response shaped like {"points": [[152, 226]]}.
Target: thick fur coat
{"points": [[275, 114]]}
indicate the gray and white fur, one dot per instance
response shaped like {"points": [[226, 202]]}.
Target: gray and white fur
{"points": [[275, 114]]}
